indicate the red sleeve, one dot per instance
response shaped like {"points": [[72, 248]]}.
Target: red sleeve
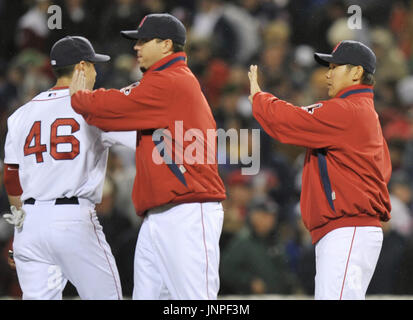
{"points": [[144, 107], [11, 180], [387, 162], [316, 126]]}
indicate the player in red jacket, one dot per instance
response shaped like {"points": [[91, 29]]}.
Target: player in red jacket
{"points": [[177, 253], [347, 167]]}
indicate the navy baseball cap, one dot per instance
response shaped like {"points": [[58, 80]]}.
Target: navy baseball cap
{"points": [[73, 49], [158, 25], [349, 52]]}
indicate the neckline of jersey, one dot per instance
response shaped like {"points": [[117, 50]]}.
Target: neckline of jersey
{"points": [[58, 88], [167, 61], [355, 89]]}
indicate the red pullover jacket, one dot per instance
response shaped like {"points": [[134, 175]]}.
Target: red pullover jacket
{"points": [[168, 92], [347, 164]]}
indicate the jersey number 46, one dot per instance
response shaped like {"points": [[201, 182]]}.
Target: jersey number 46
{"points": [[37, 148]]}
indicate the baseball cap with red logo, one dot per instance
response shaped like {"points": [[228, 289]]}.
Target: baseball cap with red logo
{"points": [[73, 49], [349, 52], [158, 25]]}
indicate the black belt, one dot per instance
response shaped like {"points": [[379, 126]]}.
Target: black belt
{"points": [[72, 200], [147, 132]]}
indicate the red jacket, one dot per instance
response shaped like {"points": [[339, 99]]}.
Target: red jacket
{"points": [[168, 92], [347, 164]]}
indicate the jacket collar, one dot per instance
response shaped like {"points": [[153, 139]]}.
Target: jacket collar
{"points": [[359, 89], [178, 58]]}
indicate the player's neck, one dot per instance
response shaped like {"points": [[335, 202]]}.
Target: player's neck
{"points": [[63, 82]]}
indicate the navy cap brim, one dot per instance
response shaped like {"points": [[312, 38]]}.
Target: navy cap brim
{"points": [[323, 59], [130, 34], [99, 58]]}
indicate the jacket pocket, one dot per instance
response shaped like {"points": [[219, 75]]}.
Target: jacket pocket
{"points": [[177, 170], [325, 179]]}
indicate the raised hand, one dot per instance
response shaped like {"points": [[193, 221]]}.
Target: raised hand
{"points": [[253, 76], [78, 82]]}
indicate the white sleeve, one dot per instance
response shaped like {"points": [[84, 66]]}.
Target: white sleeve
{"points": [[124, 138], [10, 156]]}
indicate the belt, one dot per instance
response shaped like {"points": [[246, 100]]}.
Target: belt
{"points": [[72, 200], [147, 132]]}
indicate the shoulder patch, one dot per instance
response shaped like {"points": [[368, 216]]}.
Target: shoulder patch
{"points": [[129, 88], [310, 109]]}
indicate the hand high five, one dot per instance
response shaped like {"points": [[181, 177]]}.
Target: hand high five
{"points": [[78, 82], [254, 87]]}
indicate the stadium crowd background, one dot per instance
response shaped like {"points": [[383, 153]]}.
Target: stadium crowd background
{"points": [[264, 246]]}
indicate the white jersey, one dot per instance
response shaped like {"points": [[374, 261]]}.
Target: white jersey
{"points": [[58, 153]]}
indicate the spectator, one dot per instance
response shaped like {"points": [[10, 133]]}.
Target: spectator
{"points": [[400, 187], [221, 40], [404, 267], [233, 223], [76, 21], [8, 279], [9, 285], [255, 262], [119, 234], [32, 30], [304, 262], [122, 172], [110, 217], [36, 73], [234, 33], [387, 272], [392, 64], [119, 15]]}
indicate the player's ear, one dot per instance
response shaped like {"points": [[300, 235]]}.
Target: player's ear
{"points": [[357, 73], [80, 66], [168, 45]]}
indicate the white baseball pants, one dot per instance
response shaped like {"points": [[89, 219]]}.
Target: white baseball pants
{"points": [[177, 253], [345, 262], [64, 242]]}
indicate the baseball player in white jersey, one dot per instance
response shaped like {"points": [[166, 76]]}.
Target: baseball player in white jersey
{"points": [[61, 163]]}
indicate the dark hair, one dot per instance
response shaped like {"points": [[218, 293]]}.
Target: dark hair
{"points": [[65, 71], [367, 77], [175, 46]]}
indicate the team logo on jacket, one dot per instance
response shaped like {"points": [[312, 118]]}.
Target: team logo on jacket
{"points": [[310, 109], [129, 88]]}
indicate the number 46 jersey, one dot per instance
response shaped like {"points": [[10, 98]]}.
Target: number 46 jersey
{"points": [[58, 153]]}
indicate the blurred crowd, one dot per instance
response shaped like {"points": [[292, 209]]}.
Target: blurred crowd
{"points": [[265, 248]]}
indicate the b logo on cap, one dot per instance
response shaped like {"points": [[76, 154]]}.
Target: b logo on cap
{"points": [[143, 20], [335, 48]]}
